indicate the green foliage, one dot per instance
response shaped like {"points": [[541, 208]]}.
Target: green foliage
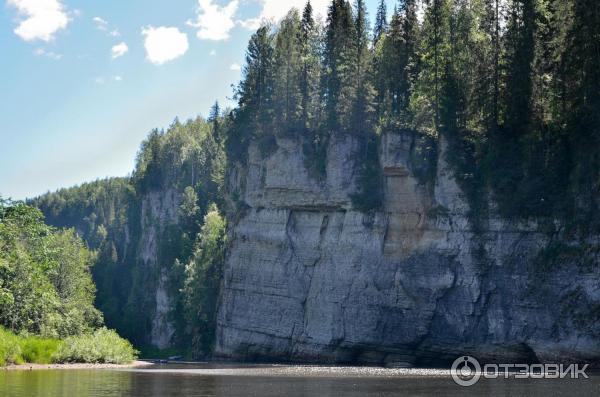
{"points": [[288, 68], [38, 350], [97, 210], [102, 346], [202, 276], [45, 281], [16, 349], [10, 348], [381, 24]]}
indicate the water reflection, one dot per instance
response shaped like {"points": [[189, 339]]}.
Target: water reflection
{"points": [[267, 381]]}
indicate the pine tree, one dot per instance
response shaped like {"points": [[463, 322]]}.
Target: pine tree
{"points": [[582, 58], [410, 63], [255, 92], [434, 53], [288, 73], [459, 74], [337, 86], [214, 118], [254, 116], [363, 95], [310, 58], [520, 49], [381, 24], [488, 52]]}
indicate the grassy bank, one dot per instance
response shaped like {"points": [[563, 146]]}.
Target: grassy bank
{"points": [[103, 346]]}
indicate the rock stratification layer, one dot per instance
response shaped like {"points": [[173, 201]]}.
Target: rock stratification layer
{"points": [[308, 278]]}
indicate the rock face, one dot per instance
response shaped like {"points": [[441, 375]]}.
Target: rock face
{"points": [[158, 211], [308, 278]]}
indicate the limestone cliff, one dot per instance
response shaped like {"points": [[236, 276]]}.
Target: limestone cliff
{"points": [[308, 278]]}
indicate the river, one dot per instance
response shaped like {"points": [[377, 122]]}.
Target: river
{"points": [[257, 380]]}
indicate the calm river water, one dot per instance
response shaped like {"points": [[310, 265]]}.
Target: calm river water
{"points": [[238, 380]]}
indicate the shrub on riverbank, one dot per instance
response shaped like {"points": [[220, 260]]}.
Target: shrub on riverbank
{"points": [[39, 350], [10, 349], [103, 346], [16, 349]]}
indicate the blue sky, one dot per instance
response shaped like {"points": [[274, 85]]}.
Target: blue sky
{"points": [[84, 81]]}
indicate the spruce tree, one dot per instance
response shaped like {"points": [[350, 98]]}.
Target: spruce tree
{"points": [[488, 52], [520, 51], [337, 84], [434, 54], [310, 58], [381, 23], [288, 73], [363, 96], [214, 118], [255, 92], [410, 65]]}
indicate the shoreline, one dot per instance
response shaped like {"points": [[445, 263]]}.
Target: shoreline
{"points": [[36, 367]]}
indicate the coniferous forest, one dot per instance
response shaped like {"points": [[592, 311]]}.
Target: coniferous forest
{"points": [[512, 87]]}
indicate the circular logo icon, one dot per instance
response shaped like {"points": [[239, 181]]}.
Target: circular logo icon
{"points": [[465, 371]]}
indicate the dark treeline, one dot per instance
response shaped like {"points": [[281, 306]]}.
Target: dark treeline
{"points": [[512, 85]]}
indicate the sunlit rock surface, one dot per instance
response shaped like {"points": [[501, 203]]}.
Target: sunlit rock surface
{"points": [[308, 278]]}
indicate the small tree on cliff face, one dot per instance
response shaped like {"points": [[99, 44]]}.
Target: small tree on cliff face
{"points": [[202, 279]]}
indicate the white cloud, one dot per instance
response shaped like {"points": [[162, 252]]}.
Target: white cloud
{"points": [[163, 44], [251, 23], [49, 54], [215, 22], [235, 66], [39, 19], [275, 10], [119, 50], [118, 78], [213, 53], [101, 24]]}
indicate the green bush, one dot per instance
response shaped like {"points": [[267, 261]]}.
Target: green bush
{"points": [[103, 346], [38, 350], [10, 348], [16, 349]]}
